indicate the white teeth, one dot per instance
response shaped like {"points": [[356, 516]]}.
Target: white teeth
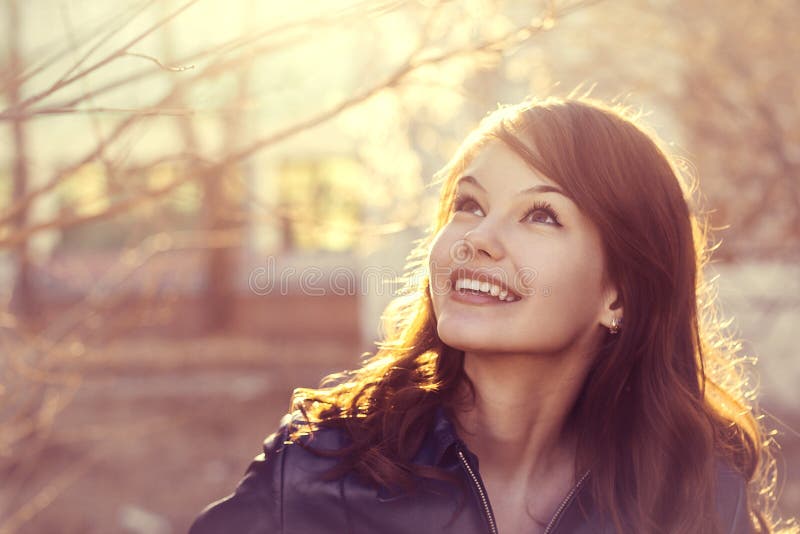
{"points": [[485, 287]]}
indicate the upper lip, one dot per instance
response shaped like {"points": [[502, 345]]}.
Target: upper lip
{"points": [[482, 275]]}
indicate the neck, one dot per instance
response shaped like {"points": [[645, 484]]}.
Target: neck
{"points": [[517, 423]]}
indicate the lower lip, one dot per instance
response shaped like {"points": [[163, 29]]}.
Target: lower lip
{"points": [[477, 298]]}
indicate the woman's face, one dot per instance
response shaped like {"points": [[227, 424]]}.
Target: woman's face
{"points": [[530, 261]]}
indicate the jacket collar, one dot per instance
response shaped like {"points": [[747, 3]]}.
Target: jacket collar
{"points": [[443, 434]]}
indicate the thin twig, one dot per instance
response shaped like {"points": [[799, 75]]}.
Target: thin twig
{"points": [[117, 208], [274, 33], [412, 64], [31, 195], [142, 112], [161, 65], [114, 30], [88, 34], [108, 59]]}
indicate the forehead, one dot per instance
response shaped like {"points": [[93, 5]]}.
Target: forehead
{"points": [[503, 173], [495, 164]]}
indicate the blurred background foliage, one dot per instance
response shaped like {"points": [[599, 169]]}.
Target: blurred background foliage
{"points": [[183, 182]]}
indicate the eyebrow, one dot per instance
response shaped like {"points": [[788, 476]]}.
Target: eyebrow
{"points": [[540, 188]]}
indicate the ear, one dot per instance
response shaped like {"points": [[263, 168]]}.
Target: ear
{"points": [[612, 306]]}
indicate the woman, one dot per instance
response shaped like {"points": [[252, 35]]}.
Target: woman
{"points": [[557, 218]]}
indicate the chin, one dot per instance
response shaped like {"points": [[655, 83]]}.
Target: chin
{"points": [[471, 341], [459, 341]]}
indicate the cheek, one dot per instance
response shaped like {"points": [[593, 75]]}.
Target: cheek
{"points": [[443, 252], [437, 246], [574, 282], [439, 268], [558, 272]]}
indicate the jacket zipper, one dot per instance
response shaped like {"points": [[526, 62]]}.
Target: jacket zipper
{"points": [[484, 499], [488, 511], [564, 504]]}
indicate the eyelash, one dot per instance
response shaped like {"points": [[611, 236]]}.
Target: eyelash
{"points": [[538, 205]]}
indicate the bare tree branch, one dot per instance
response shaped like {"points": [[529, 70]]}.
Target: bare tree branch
{"points": [[88, 33], [161, 65], [412, 64], [32, 194], [120, 52], [122, 206], [276, 36], [123, 21], [141, 112]]}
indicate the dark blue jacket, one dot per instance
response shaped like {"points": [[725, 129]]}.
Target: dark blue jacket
{"points": [[281, 492]]}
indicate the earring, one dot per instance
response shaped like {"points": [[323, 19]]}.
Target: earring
{"points": [[616, 324]]}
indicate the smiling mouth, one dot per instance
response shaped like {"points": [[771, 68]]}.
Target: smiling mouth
{"points": [[477, 292]]}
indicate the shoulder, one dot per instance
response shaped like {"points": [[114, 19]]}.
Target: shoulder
{"points": [[583, 515], [731, 499], [257, 503]]}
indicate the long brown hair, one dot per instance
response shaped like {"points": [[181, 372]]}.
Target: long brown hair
{"points": [[665, 399]]}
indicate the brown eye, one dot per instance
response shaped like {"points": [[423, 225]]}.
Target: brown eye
{"points": [[542, 211], [466, 203]]}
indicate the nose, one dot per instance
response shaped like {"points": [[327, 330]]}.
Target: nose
{"points": [[483, 241]]}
